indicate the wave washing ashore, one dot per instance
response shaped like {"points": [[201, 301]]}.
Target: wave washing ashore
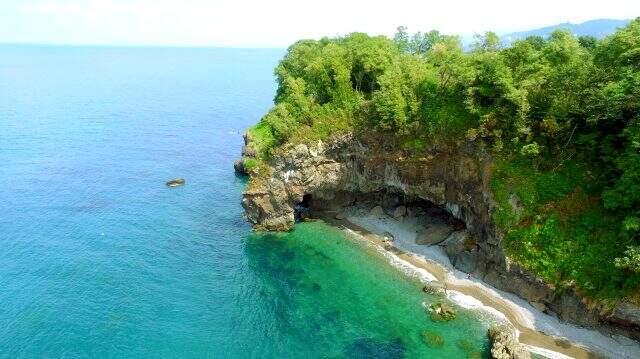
{"points": [[541, 333]]}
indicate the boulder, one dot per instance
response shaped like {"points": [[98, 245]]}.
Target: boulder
{"points": [[377, 212], [340, 216], [175, 182], [504, 344], [399, 212], [433, 234], [454, 244], [466, 261], [434, 288], [414, 211], [388, 236], [442, 312]]}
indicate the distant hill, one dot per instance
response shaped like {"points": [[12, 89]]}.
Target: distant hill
{"points": [[598, 28]]}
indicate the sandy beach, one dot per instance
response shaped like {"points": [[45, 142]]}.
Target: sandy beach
{"points": [[540, 332]]}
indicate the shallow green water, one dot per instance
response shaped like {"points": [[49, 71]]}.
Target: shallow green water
{"points": [[339, 297]]}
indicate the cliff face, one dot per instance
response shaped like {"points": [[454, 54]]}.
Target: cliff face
{"points": [[346, 171]]}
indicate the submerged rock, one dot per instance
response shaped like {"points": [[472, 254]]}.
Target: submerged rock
{"points": [[372, 348], [466, 346], [388, 237], [504, 345], [175, 182], [432, 339]]}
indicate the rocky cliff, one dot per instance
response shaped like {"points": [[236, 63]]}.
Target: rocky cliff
{"points": [[347, 171]]}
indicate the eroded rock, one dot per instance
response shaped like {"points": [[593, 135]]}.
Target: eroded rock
{"points": [[442, 312], [504, 344], [433, 234], [346, 170], [400, 212], [377, 212]]}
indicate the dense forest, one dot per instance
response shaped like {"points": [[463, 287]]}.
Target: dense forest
{"points": [[560, 116]]}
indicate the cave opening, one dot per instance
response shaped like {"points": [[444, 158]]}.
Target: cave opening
{"points": [[388, 204], [303, 208]]}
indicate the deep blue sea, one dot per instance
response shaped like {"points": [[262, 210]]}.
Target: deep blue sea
{"points": [[98, 258]]}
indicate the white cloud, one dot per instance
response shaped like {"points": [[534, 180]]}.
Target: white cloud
{"points": [[277, 22]]}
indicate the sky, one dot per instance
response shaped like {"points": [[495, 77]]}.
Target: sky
{"points": [[278, 23]]}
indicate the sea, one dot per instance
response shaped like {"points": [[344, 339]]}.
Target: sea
{"points": [[100, 259]]}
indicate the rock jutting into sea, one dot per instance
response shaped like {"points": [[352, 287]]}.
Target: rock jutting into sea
{"points": [[451, 185]]}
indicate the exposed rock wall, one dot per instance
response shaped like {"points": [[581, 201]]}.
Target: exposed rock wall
{"points": [[346, 171]]}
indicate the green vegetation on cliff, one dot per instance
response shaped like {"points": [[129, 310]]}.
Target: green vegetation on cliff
{"points": [[560, 116]]}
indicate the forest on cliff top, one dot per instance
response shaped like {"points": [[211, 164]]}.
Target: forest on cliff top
{"points": [[559, 115]]}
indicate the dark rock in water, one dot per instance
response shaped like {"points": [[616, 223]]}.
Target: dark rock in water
{"points": [[333, 316], [239, 167], [388, 237], [175, 182], [432, 339], [434, 288], [373, 349], [340, 216], [466, 346], [504, 345], [441, 312]]}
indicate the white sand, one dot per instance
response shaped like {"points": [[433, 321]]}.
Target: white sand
{"points": [[404, 232]]}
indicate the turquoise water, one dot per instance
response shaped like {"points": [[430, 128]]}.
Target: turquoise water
{"points": [[98, 258]]}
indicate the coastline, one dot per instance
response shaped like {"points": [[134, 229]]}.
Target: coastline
{"points": [[539, 332]]}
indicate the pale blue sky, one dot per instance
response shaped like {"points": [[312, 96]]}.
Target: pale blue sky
{"points": [[277, 23]]}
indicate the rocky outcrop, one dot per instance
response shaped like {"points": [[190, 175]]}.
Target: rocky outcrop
{"points": [[504, 344], [175, 182], [346, 172], [248, 153]]}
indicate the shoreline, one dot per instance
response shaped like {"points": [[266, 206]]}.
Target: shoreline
{"points": [[539, 332]]}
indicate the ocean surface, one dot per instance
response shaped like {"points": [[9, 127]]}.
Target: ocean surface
{"points": [[98, 258]]}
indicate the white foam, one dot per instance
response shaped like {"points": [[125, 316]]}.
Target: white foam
{"points": [[549, 354], [405, 232], [462, 300], [407, 268], [469, 302]]}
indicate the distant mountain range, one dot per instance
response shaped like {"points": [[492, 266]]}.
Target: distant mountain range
{"points": [[598, 28]]}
